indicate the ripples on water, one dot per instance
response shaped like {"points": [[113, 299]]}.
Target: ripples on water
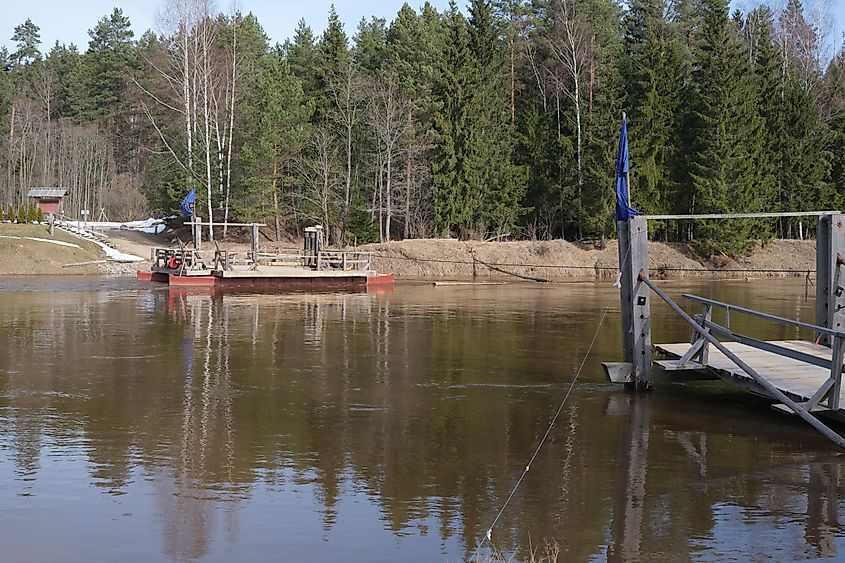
{"points": [[141, 424]]}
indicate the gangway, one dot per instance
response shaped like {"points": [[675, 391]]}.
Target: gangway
{"points": [[800, 377]]}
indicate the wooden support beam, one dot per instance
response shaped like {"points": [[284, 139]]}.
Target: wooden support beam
{"points": [[197, 228], [254, 241], [830, 301], [634, 297]]}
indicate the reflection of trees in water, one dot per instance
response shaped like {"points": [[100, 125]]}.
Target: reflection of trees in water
{"points": [[654, 517], [429, 409]]}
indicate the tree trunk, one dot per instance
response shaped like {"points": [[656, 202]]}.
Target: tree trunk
{"points": [[206, 78], [409, 157], [577, 94], [388, 188], [513, 80], [231, 130], [276, 223]]}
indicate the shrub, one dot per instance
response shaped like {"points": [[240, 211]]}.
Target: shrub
{"points": [[22, 213], [39, 215]]}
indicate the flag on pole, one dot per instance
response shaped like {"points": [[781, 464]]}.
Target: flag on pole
{"points": [[624, 211], [189, 200]]}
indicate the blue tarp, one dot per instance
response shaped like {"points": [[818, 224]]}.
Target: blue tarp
{"points": [[624, 211], [189, 200]]}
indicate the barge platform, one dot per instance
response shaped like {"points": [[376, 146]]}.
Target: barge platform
{"points": [[312, 269]]}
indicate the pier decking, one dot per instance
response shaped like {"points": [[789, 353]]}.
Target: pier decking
{"points": [[795, 378]]}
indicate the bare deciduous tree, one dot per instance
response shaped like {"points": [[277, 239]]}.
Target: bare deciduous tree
{"points": [[350, 109], [388, 119], [321, 180]]}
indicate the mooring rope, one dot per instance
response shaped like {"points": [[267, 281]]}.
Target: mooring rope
{"points": [[489, 534]]}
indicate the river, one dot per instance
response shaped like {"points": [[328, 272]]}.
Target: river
{"points": [[139, 423]]}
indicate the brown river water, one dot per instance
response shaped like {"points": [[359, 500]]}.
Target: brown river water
{"points": [[143, 424]]}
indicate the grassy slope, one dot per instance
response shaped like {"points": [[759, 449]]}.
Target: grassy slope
{"points": [[29, 257]]}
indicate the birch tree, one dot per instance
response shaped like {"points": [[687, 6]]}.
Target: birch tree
{"points": [[569, 43]]}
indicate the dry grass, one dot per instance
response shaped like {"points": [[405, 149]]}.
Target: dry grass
{"points": [[548, 553], [29, 257]]}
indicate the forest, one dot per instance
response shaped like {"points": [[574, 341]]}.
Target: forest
{"points": [[497, 120]]}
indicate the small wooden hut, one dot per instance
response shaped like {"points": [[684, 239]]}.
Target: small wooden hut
{"points": [[48, 200]]}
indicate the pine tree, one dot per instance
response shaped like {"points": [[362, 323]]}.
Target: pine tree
{"points": [[413, 45], [835, 87], [685, 24], [28, 38], [276, 112], [301, 56]]}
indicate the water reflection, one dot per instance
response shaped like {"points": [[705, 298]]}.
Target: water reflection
{"points": [[188, 425]]}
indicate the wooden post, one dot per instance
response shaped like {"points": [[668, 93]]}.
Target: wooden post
{"points": [[836, 372], [197, 228], [255, 243], [704, 355], [636, 311], [830, 298]]}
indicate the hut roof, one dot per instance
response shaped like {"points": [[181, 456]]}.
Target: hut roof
{"points": [[47, 192]]}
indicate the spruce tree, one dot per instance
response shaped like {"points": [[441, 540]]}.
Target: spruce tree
{"points": [[455, 166], [725, 165], [64, 62], [654, 98], [503, 184], [835, 87], [109, 60], [371, 45], [604, 95]]}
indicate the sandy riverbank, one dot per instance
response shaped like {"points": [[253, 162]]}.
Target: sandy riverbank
{"points": [[436, 259], [426, 259]]}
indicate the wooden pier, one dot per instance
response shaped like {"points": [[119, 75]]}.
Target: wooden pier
{"points": [[800, 377]]}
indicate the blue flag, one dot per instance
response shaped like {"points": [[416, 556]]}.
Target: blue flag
{"points": [[624, 211], [189, 200]]}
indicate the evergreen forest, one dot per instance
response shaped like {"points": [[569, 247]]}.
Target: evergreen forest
{"points": [[496, 120]]}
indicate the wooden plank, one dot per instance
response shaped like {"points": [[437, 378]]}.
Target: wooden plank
{"points": [[791, 376]]}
